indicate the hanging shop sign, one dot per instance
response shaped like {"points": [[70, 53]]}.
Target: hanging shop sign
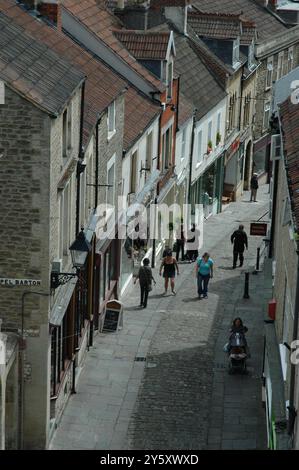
{"points": [[19, 282], [258, 229]]}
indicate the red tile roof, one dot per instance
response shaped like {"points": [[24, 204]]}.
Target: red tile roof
{"points": [[144, 44], [102, 85], [289, 116], [139, 114], [102, 23]]}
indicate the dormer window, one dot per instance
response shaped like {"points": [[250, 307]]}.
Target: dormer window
{"points": [[236, 52]]}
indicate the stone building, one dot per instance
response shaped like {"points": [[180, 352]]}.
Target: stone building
{"points": [[39, 138], [277, 49], [284, 252]]}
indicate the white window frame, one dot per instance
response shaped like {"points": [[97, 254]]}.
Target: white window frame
{"points": [[275, 147], [210, 135], [183, 143], [267, 109], [149, 150], [169, 79], [111, 122], [236, 52], [269, 74], [250, 55], [110, 164], [199, 147], [279, 72], [290, 61], [133, 174]]}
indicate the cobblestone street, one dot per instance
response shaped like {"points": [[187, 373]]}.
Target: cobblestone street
{"points": [[181, 396]]}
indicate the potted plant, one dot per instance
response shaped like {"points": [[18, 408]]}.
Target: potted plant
{"points": [[218, 138], [210, 147]]}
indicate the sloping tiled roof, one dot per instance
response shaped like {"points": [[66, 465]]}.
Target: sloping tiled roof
{"points": [[197, 83], [144, 44], [35, 71], [102, 23], [222, 26], [112, 4], [289, 115], [267, 25], [139, 114], [102, 85], [186, 110]]}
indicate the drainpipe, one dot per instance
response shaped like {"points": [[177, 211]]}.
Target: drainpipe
{"points": [[191, 157], [80, 157]]}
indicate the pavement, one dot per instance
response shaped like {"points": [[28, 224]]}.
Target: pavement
{"points": [[162, 381]]}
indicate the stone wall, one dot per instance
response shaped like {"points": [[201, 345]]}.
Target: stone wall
{"points": [[24, 208]]}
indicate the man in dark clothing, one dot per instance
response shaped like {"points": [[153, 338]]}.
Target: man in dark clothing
{"points": [[254, 184], [180, 242], [239, 239], [145, 277]]}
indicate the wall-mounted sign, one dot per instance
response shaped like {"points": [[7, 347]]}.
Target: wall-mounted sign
{"points": [[258, 229], [19, 282]]}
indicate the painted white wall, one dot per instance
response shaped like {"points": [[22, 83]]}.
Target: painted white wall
{"points": [[182, 152], [200, 159], [140, 146]]}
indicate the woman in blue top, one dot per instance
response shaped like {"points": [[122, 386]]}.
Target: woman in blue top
{"points": [[204, 271]]}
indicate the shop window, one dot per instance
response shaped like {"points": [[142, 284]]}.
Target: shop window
{"points": [[61, 351]]}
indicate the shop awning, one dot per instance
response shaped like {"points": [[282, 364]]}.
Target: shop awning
{"points": [[62, 302], [165, 190], [143, 196]]}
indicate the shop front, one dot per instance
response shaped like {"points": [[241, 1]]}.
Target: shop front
{"points": [[207, 190]]}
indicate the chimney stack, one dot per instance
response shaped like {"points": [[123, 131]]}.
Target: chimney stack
{"points": [[51, 10]]}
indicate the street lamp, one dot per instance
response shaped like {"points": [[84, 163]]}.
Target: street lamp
{"points": [[79, 249]]}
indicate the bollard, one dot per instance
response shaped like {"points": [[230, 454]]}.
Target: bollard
{"points": [[246, 287], [258, 259]]}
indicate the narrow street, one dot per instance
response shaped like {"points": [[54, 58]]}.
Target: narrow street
{"points": [[162, 381]]}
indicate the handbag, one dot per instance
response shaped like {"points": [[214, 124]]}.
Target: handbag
{"points": [[150, 287]]}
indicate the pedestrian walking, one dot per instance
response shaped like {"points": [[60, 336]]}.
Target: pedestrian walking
{"points": [[180, 242], [193, 244], [145, 277], [204, 272], [254, 184], [240, 241], [170, 265]]}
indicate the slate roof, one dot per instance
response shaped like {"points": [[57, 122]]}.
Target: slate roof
{"points": [[289, 116], [103, 23], [222, 26], [102, 85], [34, 71], [186, 110], [197, 83], [145, 44], [140, 112], [267, 25]]}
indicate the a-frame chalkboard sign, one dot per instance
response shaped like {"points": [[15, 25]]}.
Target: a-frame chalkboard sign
{"points": [[113, 316]]}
